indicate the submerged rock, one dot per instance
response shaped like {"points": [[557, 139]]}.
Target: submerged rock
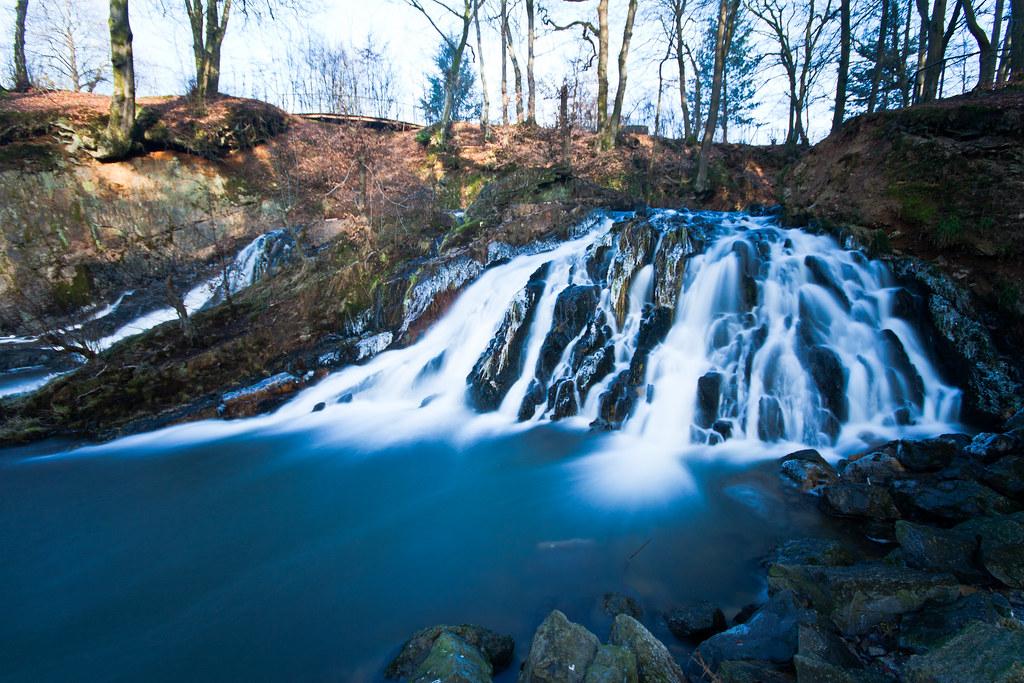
{"points": [[695, 622], [615, 604], [495, 648]]}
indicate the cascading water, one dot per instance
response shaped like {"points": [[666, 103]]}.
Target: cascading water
{"points": [[679, 328]]}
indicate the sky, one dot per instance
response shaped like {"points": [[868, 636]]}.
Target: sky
{"points": [[254, 54]]}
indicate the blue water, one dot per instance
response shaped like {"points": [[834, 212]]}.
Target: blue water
{"points": [[270, 557]]}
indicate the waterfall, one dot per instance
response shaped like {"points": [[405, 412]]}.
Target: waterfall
{"points": [[678, 327]]}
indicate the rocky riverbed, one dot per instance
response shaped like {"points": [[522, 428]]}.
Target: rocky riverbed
{"points": [[931, 593]]}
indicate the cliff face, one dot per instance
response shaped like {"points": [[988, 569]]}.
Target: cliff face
{"points": [[943, 181]]}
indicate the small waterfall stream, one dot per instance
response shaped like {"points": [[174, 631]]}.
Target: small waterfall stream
{"points": [[678, 328]]}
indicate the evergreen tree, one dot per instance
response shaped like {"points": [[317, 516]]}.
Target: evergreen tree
{"points": [[896, 72], [465, 99], [739, 91]]}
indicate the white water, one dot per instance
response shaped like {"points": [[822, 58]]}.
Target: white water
{"points": [[424, 387]]}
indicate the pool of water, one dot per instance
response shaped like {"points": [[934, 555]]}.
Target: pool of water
{"points": [[302, 555]]}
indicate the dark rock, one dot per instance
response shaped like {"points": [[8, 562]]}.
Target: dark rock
{"points": [[669, 266], [1005, 476], [929, 455], [850, 499], [616, 403], [821, 643], [1001, 540], [654, 326], [745, 613], [561, 651], [260, 397], [807, 470], [709, 391], [654, 662], [574, 306], [633, 250], [818, 551], [695, 622], [501, 363], [533, 398], [750, 672], [829, 375], [319, 406], [980, 653], [563, 401], [938, 550], [814, 670], [925, 630], [862, 596], [723, 428], [497, 649], [1015, 422], [613, 664], [876, 467], [453, 660], [904, 380], [615, 604], [821, 274], [988, 447], [769, 635], [345, 398], [946, 501], [771, 425]]}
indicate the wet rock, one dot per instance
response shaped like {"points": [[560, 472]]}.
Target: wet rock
{"points": [[862, 596], [695, 622], [533, 398], [616, 403], [615, 604], [496, 649], [563, 400], [723, 428], [260, 397], [807, 470], [598, 260], [988, 447], [1001, 540], [851, 499], [669, 266], [501, 364], [750, 672], [435, 283], [574, 306], [345, 398], [1015, 422], [319, 406], [876, 467], [771, 425], [929, 455], [654, 662], [613, 664], [633, 250], [594, 368], [1005, 476], [453, 660], [903, 378], [946, 501], [822, 275], [829, 375], [815, 641], [980, 653], [709, 390], [561, 651], [816, 551], [769, 635], [938, 550], [277, 250], [925, 630]]}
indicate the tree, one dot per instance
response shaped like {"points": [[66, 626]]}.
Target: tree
{"points": [[843, 74], [727, 13], [1015, 36], [739, 97], [531, 83], [935, 36], [118, 138], [460, 100], [465, 12], [71, 53], [345, 80], [21, 81], [485, 113], [986, 50], [611, 131]]}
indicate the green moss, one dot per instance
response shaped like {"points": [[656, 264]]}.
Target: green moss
{"points": [[76, 293]]}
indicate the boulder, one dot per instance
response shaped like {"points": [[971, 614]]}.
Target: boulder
{"points": [[258, 398], [1001, 539], [862, 596], [616, 403], [877, 467], [574, 307], [929, 455], [807, 470], [670, 261], [829, 375], [851, 499], [771, 424], [938, 550], [770, 635], [817, 551], [496, 648], [501, 363], [980, 653], [946, 500], [746, 671], [654, 662], [561, 652], [615, 604], [925, 630], [1005, 476], [453, 660], [633, 251], [822, 644], [814, 670], [613, 664], [709, 394], [695, 622], [989, 447]]}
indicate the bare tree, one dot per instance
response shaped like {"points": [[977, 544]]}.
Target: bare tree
{"points": [[517, 73], [118, 137], [1015, 37], [986, 50], [485, 111], [70, 51], [843, 74], [728, 10], [464, 12], [612, 131], [531, 83], [935, 36], [21, 82]]}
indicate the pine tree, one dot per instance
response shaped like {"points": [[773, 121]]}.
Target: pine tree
{"points": [[465, 99]]}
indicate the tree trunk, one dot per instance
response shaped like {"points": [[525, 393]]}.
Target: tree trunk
{"points": [[564, 125], [504, 62], [122, 102], [531, 84], [725, 106], [21, 82], [681, 59], [904, 55], [726, 17], [620, 89], [602, 65], [517, 75], [936, 51], [986, 52], [997, 30], [839, 113], [876, 72], [698, 96], [176, 302], [922, 49], [452, 77], [485, 112], [1015, 36]]}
